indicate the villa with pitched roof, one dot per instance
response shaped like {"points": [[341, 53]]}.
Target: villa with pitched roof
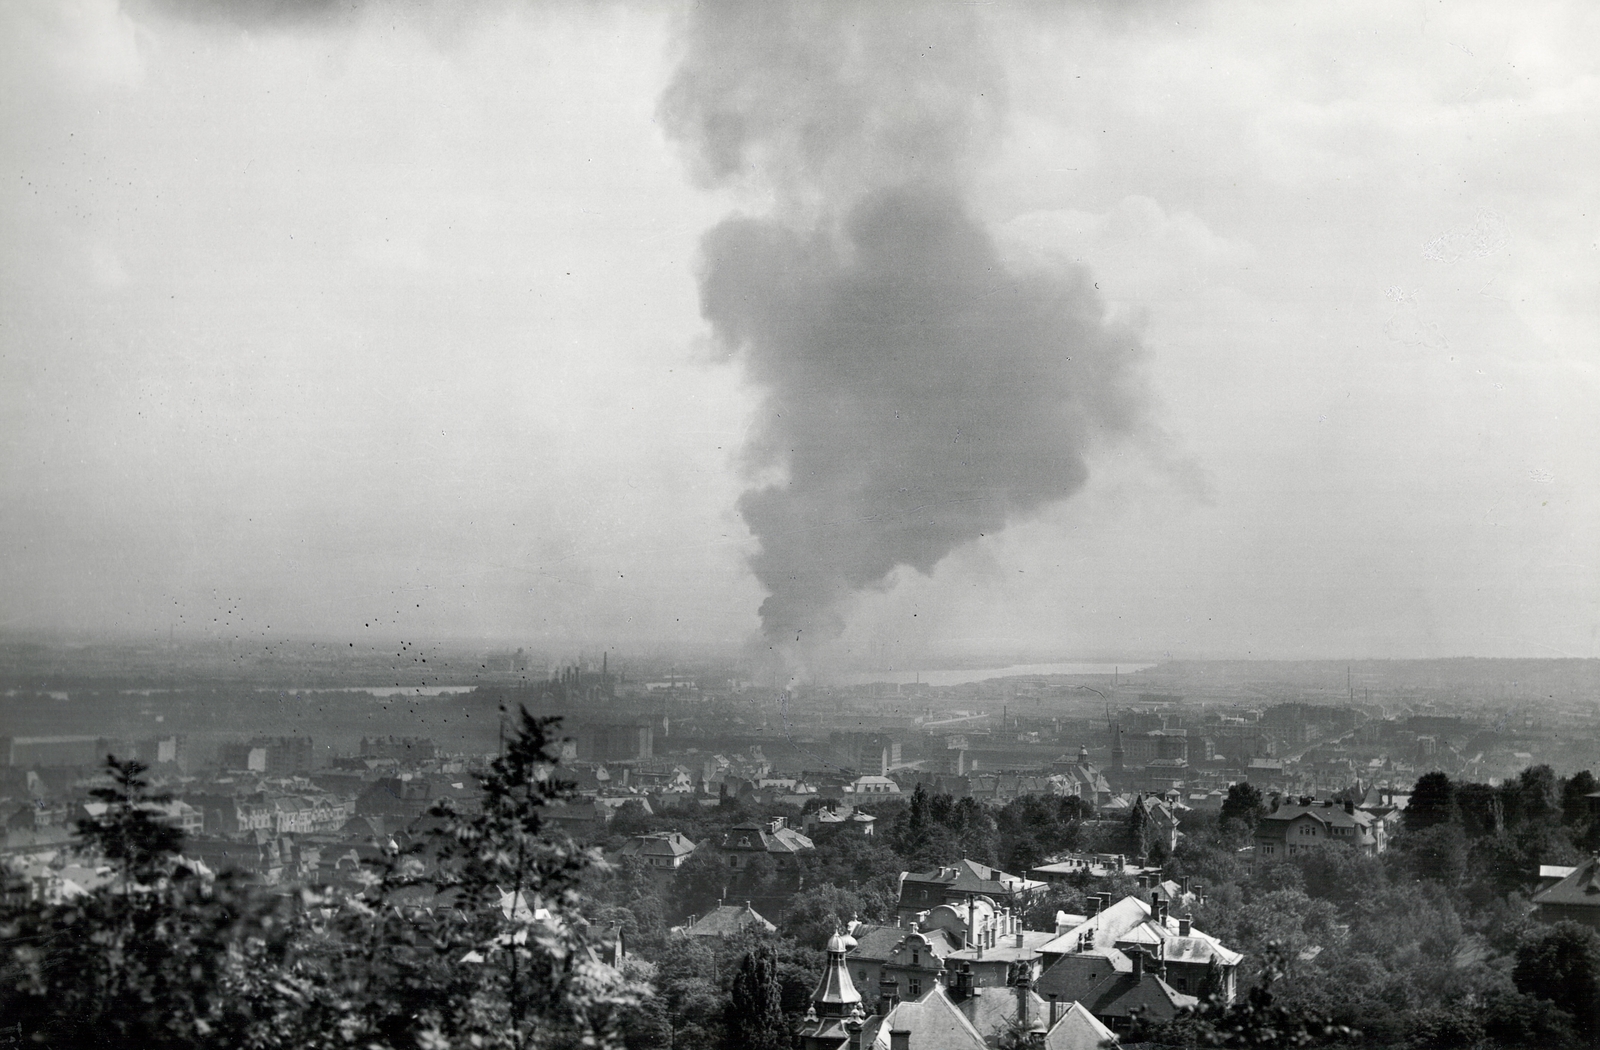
{"points": [[1575, 896], [953, 885]]}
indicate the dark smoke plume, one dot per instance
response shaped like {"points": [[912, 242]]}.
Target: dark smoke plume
{"points": [[919, 393]]}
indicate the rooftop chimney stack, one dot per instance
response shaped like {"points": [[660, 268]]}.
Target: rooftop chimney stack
{"points": [[1137, 955], [1185, 926], [899, 1039], [888, 994], [963, 988]]}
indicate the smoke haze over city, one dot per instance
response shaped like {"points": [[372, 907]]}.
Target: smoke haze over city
{"points": [[1147, 329]]}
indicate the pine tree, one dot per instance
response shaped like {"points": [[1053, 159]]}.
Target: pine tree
{"points": [[754, 1018]]}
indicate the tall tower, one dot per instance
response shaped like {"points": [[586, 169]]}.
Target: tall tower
{"points": [[836, 994], [1116, 751]]}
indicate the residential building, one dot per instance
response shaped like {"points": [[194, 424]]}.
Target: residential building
{"points": [[839, 817], [898, 961], [661, 850], [1576, 896], [772, 838], [922, 891], [872, 785], [1188, 959], [1308, 824], [725, 920], [1066, 868]]}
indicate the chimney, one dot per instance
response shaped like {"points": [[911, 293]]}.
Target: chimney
{"points": [[1138, 964], [1161, 911], [1350, 806], [963, 988], [1185, 926], [1019, 938], [888, 994], [899, 1039], [1054, 1017], [1187, 879]]}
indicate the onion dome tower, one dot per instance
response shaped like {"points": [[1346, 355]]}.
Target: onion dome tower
{"points": [[836, 993]]}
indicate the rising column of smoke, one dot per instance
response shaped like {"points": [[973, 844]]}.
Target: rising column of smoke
{"points": [[918, 393]]}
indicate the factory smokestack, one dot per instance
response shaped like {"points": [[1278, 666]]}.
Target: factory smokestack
{"points": [[919, 391]]}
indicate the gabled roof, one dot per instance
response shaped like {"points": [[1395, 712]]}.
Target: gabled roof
{"points": [[878, 943], [1155, 998], [1078, 1029], [1581, 887], [658, 844], [753, 836], [993, 1011], [1129, 922], [1078, 977], [933, 1021], [968, 876], [1107, 927], [727, 920], [1331, 816]]}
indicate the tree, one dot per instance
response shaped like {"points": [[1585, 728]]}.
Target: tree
{"points": [[530, 981], [1539, 793], [754, 1015], [816, 914], [157, 958], [1432, 802], [1257, 1020], [1243, 804], [470, 939], [1437, 852], [1140, 834], [1575, 791], [1561, 964]]}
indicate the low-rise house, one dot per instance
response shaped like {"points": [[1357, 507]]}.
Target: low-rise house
{"points": [[1308, 824], [1116, 987], [909, 961], [872, 785], [1189, 959], [1066, 868], [725, 920], [1576, 896], [921, 891], [661, 850], [999, 964], [839, 817], [771, 838], [586, 819]]}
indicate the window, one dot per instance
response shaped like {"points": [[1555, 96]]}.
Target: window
{"points": [[916, 958], [916, 988]]}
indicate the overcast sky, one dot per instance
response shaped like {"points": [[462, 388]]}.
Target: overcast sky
{"points": [[388, 318]]}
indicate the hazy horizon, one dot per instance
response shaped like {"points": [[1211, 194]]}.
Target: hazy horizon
{"points": [[1217, 330]]}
